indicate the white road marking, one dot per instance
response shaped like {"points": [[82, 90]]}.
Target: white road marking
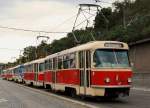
{"points": [[3, 100]]}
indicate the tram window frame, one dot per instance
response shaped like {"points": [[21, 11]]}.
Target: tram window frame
{"points": [[55, 63], [88, 59], [31, 68], [41, 69], [47, 64], [69, 61], [15, 71], [27, 68], [65, 61], [59, 61], [50, 64], [81, 59], [73, 60], [36, 67]]}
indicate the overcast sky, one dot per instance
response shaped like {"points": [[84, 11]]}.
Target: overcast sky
{"points": [[44, 15]]}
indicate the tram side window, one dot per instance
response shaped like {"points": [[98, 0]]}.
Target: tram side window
{"points": [[81, 59], [69, 61], [88, 59], [27, 68], [47, 67], [59, 62], [50, 64], [72, 60], [54, 63], [41, 67], [15, 71], [36, 67], [65, 62], [30, 68]]}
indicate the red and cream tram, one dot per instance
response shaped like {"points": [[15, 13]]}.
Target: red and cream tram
{"points": [[34, 72], [3, 74], [99, 68], [9, 74]]}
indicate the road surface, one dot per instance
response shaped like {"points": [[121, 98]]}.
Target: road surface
{"points": [[13, 95]]}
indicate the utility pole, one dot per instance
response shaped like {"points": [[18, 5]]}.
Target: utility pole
{"points": [[124, 18], [124, 13]]}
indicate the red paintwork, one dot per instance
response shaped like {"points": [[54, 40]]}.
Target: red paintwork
{"points": [[68, 77], [98, 78], [29, 76], [9, 76], [3, 76], [41, 76], [48, 76]]}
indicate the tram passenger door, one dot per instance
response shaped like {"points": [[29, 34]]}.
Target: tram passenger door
{"points": [[85, 70]]}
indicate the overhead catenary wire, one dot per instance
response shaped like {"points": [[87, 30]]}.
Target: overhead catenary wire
{"points": [[40, 31], [29, 30], [102, 1], [10, 49], [62, 23]]}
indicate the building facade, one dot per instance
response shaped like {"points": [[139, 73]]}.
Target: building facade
{"points": [[140, 60]]}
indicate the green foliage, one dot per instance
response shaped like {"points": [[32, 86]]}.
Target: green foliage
{"points": [[42, 50], [29, 53]]}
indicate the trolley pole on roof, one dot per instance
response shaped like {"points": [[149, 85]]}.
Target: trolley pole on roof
{"points": [[87, 11], [42, 36], [46, 37]]}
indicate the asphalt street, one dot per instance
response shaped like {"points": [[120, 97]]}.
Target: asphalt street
{"points": [[137, 99], [13, 95]]}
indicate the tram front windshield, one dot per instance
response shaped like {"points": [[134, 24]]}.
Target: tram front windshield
{"points": [[111, 58]]}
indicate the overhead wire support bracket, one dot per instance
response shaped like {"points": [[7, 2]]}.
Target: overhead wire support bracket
{"points": [[83, 8]]}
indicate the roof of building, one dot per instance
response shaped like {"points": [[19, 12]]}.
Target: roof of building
{"points": [[140, 42]]}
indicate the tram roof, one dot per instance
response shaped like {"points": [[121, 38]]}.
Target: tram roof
{"points": [[35, 61], [89, 46], [16, 66]]}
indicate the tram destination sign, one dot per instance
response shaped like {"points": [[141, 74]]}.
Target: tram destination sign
{"points": [[114, 45]]}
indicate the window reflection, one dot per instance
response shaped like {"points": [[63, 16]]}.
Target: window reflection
{"points": [[111, 58]]}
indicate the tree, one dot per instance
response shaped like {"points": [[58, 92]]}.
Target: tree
{"points": [[42, 50], [29, 53]]}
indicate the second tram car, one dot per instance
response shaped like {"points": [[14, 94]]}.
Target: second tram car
{"points": [[18, 73], [9, 75], [34, 72]]}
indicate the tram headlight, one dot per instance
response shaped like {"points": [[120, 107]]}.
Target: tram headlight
{"points": [[129, 80], [107, 80]]}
